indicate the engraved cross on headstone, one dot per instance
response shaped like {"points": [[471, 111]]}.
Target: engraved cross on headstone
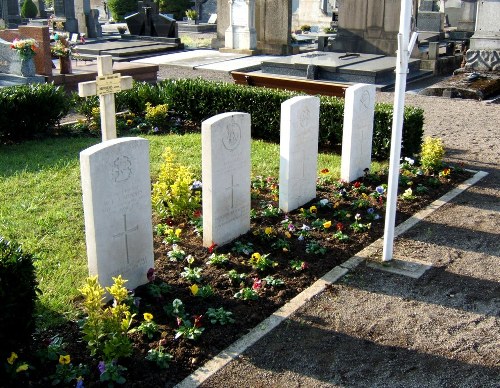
{"points": [[105, 86], [232, 190], [125, 233]]}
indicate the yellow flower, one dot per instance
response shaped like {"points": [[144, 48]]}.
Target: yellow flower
{"points": [[178, 232], [327, 224], [268, 230], [288, 234], [64, 360], [256, 256], [336, 205], [148, 317], [194, 289], [313, 209], [12, 358], [22, 368]]}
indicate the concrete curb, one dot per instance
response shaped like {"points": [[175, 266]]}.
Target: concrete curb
{"points": [[371, 251]]}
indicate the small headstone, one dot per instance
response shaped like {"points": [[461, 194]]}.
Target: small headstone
{"points": [[117, 206], [226, 177], [358, 131], [298, 151], [212, 19], [149, 22]]}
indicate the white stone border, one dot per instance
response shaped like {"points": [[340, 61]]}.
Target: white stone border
{"points": [[239, 346]]}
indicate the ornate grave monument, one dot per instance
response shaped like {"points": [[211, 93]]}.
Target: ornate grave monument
{"points": [[149, 22]]}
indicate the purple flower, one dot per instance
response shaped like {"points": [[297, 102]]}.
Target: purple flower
{"points": [[343, 192], [101, 367], [151, 274], [291, 227], [197, 185], [376, 217], [370, 210], [380, 190], [155, 129], [79, 382]]}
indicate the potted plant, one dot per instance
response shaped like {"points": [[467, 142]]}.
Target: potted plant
{"points": [[306, 28], [192, 16], [63, 50]]}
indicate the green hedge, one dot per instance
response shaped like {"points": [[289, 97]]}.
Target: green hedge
{"points": [[18, 293], [28, 111], [198, 99]]}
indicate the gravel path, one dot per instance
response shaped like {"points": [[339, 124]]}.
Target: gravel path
{"points": [[377, 329]]}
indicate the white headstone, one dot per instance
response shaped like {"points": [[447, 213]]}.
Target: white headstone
{"points": [[241, 33], [117, 206], [298, 151], [226, 177], [212, 19], [358, 131]]}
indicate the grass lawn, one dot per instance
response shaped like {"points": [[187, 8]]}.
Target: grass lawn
{"points": [[41, 205]]}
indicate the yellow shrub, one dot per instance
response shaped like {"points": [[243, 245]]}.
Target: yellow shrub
{"points": [[431, 157], [156, 115], [172, 194]]}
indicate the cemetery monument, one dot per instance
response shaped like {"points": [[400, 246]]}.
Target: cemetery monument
{"points": [[357, 133], [298, 151], [117, 205], [226, 177], [149, 22]]}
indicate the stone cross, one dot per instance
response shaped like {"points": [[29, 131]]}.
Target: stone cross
{"points": [[105, 86]]}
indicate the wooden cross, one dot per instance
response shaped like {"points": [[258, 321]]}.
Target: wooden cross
{"points": [[105, 86]]}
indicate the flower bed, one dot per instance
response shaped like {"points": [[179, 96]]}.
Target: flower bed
{"points": [[200, 300]]}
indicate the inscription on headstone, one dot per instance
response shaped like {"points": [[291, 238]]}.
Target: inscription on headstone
{"points": [[226, 177], [117, 206], [358, 131], [298, 151]]}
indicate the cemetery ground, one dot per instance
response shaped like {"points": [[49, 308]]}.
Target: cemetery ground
{"points": [[357, 309]]}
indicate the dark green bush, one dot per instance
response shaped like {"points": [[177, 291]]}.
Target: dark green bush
{"points": [[29, 9], [28, 111], [198, 100], [18, 293], [135, 99], [121, 8]]}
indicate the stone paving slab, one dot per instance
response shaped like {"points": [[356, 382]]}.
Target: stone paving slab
{"points": [[191, 58]]}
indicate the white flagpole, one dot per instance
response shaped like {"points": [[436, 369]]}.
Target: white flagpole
{"points": [[397, 125]]}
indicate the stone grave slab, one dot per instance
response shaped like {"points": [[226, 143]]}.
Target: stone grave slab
{"points": [[226, 177], [117, 206], [357, 131], [194, 58], [299, 132]]}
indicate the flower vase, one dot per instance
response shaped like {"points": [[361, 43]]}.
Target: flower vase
{"points": [[28, 67], [65, 65]]}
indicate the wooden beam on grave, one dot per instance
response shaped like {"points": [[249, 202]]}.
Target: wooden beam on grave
{"points": [[312, 87]]}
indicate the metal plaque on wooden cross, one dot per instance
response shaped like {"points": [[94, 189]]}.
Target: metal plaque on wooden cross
{"points": [[105, 86]]}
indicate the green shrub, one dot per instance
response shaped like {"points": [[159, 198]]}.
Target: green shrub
{"points": [[29, 111], [29, 9], [121, 8], [176, 7], [198, 100], [18, 294], [135, 99]]}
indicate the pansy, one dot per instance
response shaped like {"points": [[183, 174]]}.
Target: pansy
{"points": [[22, 368], [305, 227], [288, 234], [194, 289], [327, 224], [13, 357], [148, 317], [325, 171], [268, 230], [313, 209], [197, 185], [323, 202], [370, 210], [380, 190], [151, 274], [257, 283], [64, 360], [357, 217], [102, 367], [197, 320], [178, 232]]}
